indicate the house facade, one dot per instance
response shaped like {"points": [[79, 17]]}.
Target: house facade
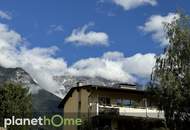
{"points": [[109, 105]]}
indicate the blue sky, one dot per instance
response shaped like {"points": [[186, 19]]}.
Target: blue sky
{"points": [[33, 18], [120, 27]]}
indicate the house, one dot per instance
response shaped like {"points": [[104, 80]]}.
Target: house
{"points": [[109, 106]]}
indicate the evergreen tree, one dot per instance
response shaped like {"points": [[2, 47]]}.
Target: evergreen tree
{"points": [[15, 100]]}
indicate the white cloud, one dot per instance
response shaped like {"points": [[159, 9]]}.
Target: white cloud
{"points": [[100, 67], [140, 65], [155, 26], [42, 64], [5, 15], [113, 55], [115, 66], [83, 37], [55, 28], [39, 62], [130, 4]]}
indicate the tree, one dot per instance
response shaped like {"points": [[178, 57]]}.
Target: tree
{"points": [[15, 100], [170, 81]]}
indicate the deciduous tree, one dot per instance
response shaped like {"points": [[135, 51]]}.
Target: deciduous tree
{"points": [[170, 81]]}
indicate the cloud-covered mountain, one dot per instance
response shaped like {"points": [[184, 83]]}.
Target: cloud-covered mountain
{"points": [[42, 100], [69, 81], [19, 76]]}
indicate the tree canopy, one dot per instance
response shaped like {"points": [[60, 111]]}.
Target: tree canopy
{"points": [[170, 81], [15, 100]]}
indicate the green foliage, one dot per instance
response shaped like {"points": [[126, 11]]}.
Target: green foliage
{"points": [[170, 81], [86, 126], [14, 101]]}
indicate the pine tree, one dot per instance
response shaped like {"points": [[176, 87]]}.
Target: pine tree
{"points": [[15, 100]]}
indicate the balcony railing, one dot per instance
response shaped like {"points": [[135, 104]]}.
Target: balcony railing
{"points": [[129, 111], [108, 110]]}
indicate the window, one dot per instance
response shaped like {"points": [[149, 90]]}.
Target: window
{"points": [[119, 102], [134, 104], [123, 102], [104, 101], [126, 102]]}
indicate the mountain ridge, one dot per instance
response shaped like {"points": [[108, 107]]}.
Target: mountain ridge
{"points": [[43, 99]]}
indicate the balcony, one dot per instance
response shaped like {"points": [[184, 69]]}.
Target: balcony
{"points": [[129, 111]]}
